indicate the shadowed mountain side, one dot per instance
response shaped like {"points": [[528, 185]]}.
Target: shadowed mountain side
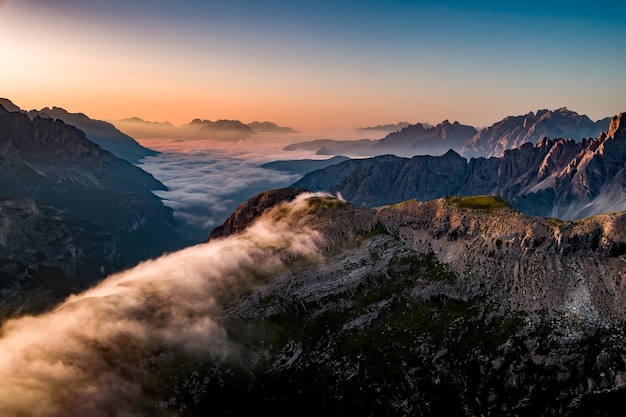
{"points": [[303, 166], [108, 199], [556, 178], [47, 253]]}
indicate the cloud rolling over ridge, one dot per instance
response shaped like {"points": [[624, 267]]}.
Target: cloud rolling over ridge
{"points": [[84, 357]]}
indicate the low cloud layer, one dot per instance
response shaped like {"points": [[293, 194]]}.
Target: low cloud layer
{"points": [[82, 358]]}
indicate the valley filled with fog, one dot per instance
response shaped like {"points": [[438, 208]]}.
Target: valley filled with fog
{"points": [[208, 179]]}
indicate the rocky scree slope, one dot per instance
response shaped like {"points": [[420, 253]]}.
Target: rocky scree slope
{"points": [[458, 306], [554, 178]]}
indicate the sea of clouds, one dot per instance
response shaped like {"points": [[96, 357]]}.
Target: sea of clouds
{"points": [[207, 179]]}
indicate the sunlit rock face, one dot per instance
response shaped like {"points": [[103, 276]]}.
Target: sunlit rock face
{"points": [[557, 178]]}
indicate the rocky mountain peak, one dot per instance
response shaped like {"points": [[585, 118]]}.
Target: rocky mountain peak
{"points": [[8, 105], [618, 126]]}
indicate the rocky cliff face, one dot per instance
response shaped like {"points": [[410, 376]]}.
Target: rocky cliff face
{"points": [[556, 178], [514, 131], [459, 306]]}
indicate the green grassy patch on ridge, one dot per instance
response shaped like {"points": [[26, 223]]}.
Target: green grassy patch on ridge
{"points": [[484, 202]]}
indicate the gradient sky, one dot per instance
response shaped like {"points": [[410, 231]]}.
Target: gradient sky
{"points": [[314, 64]]}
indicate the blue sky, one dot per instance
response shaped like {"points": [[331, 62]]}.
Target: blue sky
{"points": [[315, 63]]}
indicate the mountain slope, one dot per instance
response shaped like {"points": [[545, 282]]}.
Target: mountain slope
{"points": [[556, 178], [312, 306]]}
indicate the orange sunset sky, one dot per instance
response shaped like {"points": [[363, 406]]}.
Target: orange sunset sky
{"points": [[310, 65]]}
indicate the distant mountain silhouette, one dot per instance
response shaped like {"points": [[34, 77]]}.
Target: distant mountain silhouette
{"points": [[223, 130], [269, 127]]}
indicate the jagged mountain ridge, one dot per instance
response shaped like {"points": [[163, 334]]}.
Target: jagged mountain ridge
{"points": [[557, 178], [514, 131], [509, 133]]}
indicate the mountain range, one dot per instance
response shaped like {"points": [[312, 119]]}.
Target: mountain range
{"points": [[436, 285], [556, 178], [424, 139], [224, 130]]}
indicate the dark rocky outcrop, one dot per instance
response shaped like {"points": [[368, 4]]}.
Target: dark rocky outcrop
{"points": [[253, 208]]}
